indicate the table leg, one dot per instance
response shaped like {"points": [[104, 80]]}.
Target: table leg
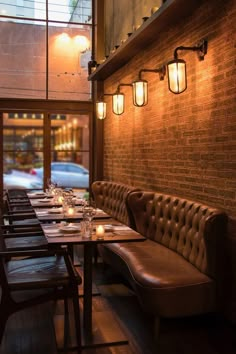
{"points": [[102, 330], [87, 300]]}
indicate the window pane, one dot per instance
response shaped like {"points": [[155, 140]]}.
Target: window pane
{"points": [[23, 9], [70, 151], [81, 11], [69, 53], [70, 10], [58, 10], [22, 149], [25, 57], [23, 60]]}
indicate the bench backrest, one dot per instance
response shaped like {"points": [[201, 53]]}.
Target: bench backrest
{"points": [[112, 197], [193, 230]]}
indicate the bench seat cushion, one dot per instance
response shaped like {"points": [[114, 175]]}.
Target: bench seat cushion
{"points": [[163, 280]]}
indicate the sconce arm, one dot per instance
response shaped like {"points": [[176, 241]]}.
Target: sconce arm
{"points": [[161, 71], [201, 50], [100, 97], [119, 86]]}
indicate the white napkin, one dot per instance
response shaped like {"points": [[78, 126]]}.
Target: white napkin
{"points": [[121, 228], [41, 213], [52, 232]]}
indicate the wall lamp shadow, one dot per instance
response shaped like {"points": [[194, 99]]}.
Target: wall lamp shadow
{"points": [[140, 86], [176, 68]]}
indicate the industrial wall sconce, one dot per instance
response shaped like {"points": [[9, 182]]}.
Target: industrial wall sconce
{"points": [[118, 103], [177, 77], [101, 107], [177, 82], [118, 100], [140, 87]]}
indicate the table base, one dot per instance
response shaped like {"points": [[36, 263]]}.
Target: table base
{"points": [[106, 332]]}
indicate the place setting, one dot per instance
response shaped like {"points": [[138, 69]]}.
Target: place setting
{"points": [[48, 212], [36, 195], [61, 230]]}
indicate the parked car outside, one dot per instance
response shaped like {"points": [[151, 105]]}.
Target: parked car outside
{"points": [[17, 179], [66, 174]]}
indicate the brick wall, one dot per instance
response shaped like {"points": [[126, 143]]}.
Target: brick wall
{"points": [[181, 144]]}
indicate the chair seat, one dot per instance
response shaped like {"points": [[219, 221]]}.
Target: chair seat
{"points": [[31, 242], [26, 221], [38, 272]]}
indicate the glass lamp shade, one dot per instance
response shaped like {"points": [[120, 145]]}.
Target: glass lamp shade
{"points": [[101, 110], [177, 78], [140, 93], [118, 103]]}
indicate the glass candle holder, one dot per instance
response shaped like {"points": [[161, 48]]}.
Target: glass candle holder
{"points": [[70, 210], [69, 206], [100, 231], [58, 195]]}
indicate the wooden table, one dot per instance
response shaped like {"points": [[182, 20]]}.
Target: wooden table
{"points": [[49, 202], [36, 195], [123, 234], [56, 214]]}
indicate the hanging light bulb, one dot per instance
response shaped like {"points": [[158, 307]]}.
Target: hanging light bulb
{"points": [[140, 93], [118, 103], [101, 109], [177, 78]]}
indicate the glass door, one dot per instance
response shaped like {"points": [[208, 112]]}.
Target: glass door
{"points": [[22, 149], [38, 147]]}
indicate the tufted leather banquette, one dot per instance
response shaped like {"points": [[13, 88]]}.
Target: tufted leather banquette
{"points": [[112, 197], [178, 270]]}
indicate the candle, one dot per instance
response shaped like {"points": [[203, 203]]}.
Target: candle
{"points": [[70, 211], [100, 231], [60, 199]]}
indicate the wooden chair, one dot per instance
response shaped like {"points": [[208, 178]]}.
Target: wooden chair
{"points": [[20, 232], [48, 271], [17, 197], [17, 193], [20, 213], [12, 206], [23, 237]]}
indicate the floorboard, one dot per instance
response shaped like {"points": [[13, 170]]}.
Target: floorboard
{"points": [[32, 331]]}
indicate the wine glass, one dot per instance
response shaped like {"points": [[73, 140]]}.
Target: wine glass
{"points": [[88, 213]]}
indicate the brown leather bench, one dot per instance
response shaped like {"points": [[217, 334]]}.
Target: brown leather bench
{"points": [[112, 198], [179, 269]]}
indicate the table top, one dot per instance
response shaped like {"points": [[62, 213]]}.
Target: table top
{"points": [[49, 202], [36, 195], [56, 214], [114, 232]]}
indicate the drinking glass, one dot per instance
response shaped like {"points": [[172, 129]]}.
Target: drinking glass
{"points": [[88, 213], [86, 227]]}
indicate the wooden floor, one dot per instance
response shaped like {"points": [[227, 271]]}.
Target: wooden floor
{"points": [[32, 331]]}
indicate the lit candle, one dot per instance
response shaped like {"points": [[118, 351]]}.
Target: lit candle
{"points": [[100, 231], [70, 211], [60, 199]]}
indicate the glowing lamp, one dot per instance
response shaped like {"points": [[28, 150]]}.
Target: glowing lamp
{"points": [[101, 109], [140, 95], [118, 103]]}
